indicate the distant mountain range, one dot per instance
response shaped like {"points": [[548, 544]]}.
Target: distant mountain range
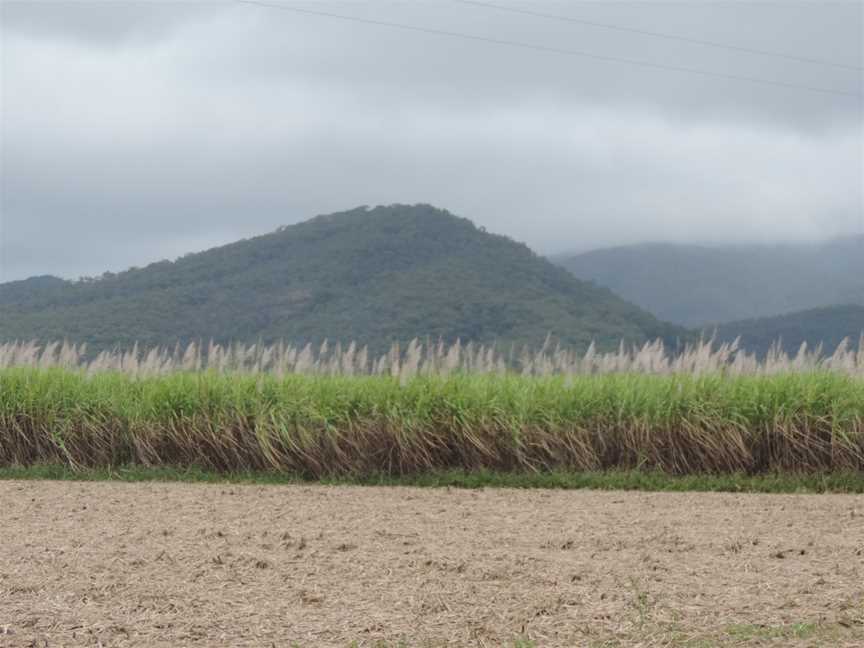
{"points": [[369, 275], [397, 272], [698, 286], [825, 326]]}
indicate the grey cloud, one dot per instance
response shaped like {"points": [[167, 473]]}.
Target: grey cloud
{"points": [[158, 133], [99, 23]]}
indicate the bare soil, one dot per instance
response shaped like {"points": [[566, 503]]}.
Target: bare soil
{"points": [[112, 564]]}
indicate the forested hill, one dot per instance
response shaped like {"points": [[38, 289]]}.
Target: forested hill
{"points": [[695, 286], [370, 275], [826, 326]]}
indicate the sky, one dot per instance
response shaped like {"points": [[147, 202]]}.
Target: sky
{"points": [[132, 132]]}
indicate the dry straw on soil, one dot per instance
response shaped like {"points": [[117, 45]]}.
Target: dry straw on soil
{"points": [[167, 565]]}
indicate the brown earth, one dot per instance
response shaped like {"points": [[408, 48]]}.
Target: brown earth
{"points": [[111, 564]]}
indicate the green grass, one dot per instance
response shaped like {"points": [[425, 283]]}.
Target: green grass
{"points": [[793, 631], [613, 480], [822, 633], [551, 431]]}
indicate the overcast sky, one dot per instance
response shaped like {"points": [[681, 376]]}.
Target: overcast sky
{"points": [[137, 131]]}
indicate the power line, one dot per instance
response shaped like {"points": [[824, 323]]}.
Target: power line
{"points": [[553, 50], [644, 32]]}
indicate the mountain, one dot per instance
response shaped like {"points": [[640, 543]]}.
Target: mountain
{"points": [[828, 326], [370, 275], [32, 291], [695, 285]]}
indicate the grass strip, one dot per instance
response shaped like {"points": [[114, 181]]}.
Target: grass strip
{"points": [[611, 480]]}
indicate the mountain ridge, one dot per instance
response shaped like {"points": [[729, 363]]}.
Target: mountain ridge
{"points": [[697, 286], [826, 327], [373, 275]]}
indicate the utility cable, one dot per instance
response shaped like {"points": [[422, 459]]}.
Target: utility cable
{"points": [[553, 50]]}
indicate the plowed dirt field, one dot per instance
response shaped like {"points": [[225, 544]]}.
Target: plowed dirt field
{"points": [[156, 564]]}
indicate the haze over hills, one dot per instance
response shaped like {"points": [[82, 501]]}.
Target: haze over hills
{"points": [[826, 326], [373, 276], [695, 285]]}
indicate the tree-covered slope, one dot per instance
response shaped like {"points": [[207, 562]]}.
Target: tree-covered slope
{"points": [[826, 326], [374, 276], [693, 285]]}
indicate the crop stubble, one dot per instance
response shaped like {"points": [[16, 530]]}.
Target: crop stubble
{"points": [[158, 564]]}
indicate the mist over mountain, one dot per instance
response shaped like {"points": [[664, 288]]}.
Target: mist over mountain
{"points": [[695, 286], [370, 275]]}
